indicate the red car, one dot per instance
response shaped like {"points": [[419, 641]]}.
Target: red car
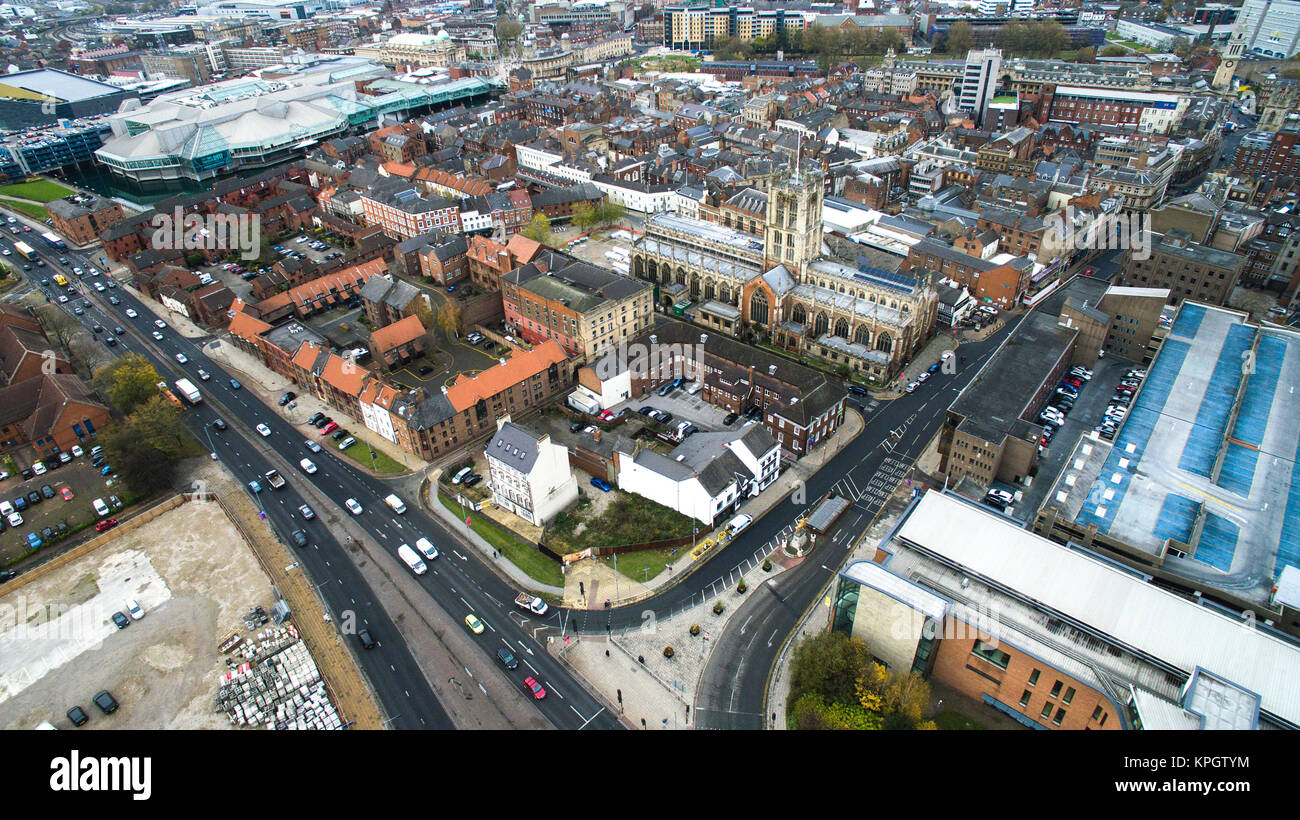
{"points": [[329, 428], [533, 686], [1073, 381], [606, 415], [1088, 272], [66, 493], [106, 524]]}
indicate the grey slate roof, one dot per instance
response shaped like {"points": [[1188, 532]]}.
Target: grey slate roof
{"points": [[515, 446]]}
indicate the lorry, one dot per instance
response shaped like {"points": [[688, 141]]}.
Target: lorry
{"points": [[274, 478], [531, 603], [583, 404], [412, 560], [25, 251], [186, 388]]}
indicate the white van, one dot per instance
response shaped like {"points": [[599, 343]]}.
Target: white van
{"points": [[426, 549], [462, 475], [695, 388], [101, 509], [735, 525], [396, 503], [412, 560]]}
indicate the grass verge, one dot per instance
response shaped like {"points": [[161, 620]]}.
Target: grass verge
{"points": [[953, 722], [40, 190], [29, 208], [533, 563], [360, 453]]}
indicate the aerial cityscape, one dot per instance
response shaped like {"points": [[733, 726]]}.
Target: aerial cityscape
{"points": [[599, 365]]}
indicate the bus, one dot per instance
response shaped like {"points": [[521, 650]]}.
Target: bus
{"points": [[24, 250], [60, 280], [54, 241]]}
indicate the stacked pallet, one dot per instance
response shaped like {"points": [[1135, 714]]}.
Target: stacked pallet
{"points": [[279, 686]]}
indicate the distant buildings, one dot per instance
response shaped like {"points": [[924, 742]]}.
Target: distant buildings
{"points": [[1271, 28], [45, 96]]}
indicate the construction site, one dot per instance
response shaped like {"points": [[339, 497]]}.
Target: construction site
{"points": [[207, 646]]}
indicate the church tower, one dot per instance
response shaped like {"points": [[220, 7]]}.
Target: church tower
{"points": [[793, 236], [1228, 66]]}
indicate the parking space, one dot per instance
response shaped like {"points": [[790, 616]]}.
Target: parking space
{"points": [[684, 407], [83, 480], [1084, 416], [602, 248]]}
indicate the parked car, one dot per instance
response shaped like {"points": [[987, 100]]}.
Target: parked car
{"points": [[730, 418], [134, 610], [121, 620], [601, 484], [78, 716], [106, 702]]}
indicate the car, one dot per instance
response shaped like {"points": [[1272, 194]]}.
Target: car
{"points": [[101, 509], [15, 519], [531, 685], [589, 429], [203, 375], [79, 311], [1277, 310], [606, 415], [852, 388], [425, 370], [7, 575], [113, 300], [182, 358], [489, 345], [157, 335], [462, 474], [254, 487], [47, 533], [115, 502], [263, 430], [63, 300], [308, 466], [313, 446], [1088, 272], [353, 506], [234, 385], [367, 642], [474, 624], [730, 418], [507, 659], [38, 468], [472, 480], [934, 368], [105, 524], [474, 338], [601, 484], [347, 442], [1004, 495], [1136, 373], [911, 388], [575, 427], [131, 314], [646, 411], [329, 428], [78, 716], [134, 610], [62, 527], [299, 538], [159, 323], [106, 702], [317, 417], [219, 424], [338, 434], [666, 389], [47, 491], [664, 416], [306, 512], [1073, 382], [20, 502], [111, 341], [740, 522], [121, 620], [66, 494], [287, 397], [33, 540]]}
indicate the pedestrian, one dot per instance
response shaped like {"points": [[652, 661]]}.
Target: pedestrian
{"points": [[607, 653]]}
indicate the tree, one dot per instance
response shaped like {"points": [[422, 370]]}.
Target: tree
{"points": [[829, 664], [608, 212], [143, 467], [584, 215], [59, 327], [449, 317], [539, 230], [958, 39], [158, 422], [128, 383], [1114, 51], [508, 30], [1087, 54]]}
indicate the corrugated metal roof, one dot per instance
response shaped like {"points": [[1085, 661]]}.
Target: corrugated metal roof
{"points": [[1109, 600]]}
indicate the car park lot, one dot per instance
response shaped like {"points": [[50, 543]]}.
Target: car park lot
{"points": [[192, 576], [79, 476], [1083, 417]]}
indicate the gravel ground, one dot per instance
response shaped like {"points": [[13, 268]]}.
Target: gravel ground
{"points": [[193, 576]]}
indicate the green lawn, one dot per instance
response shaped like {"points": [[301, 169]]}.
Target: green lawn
{"points": [[629, 519], [533, 563], [953, 722], [645, 565], [360, 453], [40, 190], [29, 208]]}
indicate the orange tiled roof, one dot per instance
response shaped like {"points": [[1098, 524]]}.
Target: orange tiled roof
{"points": [[523, 249], [306, 355], [300, 294], [484, 250], [522, 366], [398, 333], [470, 186], [399, 169], [246, 327], [344, 375]]}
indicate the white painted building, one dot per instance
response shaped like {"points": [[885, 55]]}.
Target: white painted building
{"points": [[529, 474], [707, 476]]}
